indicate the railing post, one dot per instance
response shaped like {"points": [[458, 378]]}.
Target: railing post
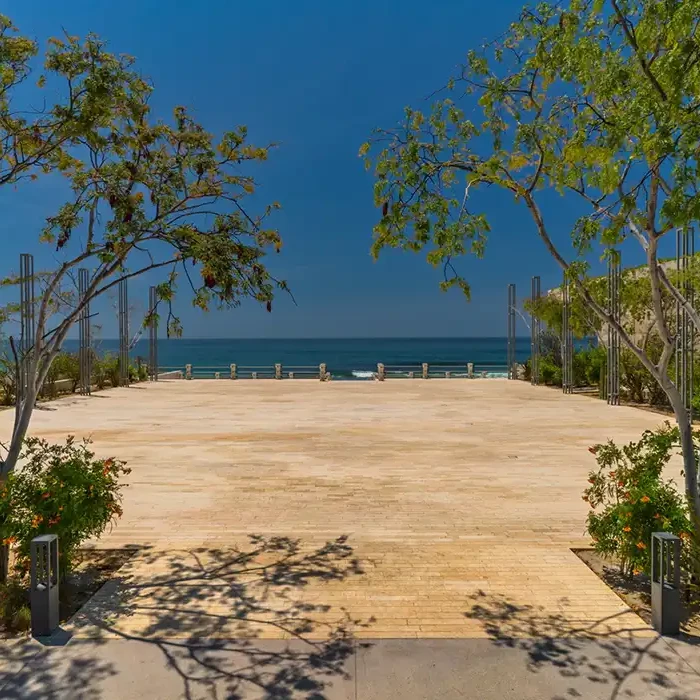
{"points": [[322, 371], [233, 371], [44, 584], [291, 375], [448, 375], [470, 370], [217, 375], [188, 371], [425, 370], [665, 583], [253, 375], [380, 372], [411, 375], [278, 371]]}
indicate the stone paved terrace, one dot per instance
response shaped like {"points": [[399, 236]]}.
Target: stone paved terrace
{"points": [[450, 505]]}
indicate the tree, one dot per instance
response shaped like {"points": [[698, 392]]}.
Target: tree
{"points": [[597, 100], [144, 195]]}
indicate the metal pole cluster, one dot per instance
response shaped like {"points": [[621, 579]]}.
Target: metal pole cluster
{"points": [[123, 334], [84, 350], [567, 340], [27, 323], [535, 332], [153, 335], [512, 364], [613, 359], [685, 330]]}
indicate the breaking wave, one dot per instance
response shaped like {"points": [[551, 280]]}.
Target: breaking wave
{"points": [[362, 374]]}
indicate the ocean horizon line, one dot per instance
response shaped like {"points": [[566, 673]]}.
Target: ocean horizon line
{"points": [[358, 337]]}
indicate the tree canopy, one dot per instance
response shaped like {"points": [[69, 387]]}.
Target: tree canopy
{"points": [[598, 100], [145, 193]]}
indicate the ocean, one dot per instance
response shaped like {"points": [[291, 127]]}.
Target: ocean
{"points": [[351, 358]]}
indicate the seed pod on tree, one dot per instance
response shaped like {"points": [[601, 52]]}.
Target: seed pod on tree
{"points": [[209, 281]]}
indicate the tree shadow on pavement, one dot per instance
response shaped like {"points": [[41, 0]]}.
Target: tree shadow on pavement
{"points": [[611, 654], [236, 623], [27, 672]]}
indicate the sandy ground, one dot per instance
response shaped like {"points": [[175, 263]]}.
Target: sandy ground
{"points": [[451, 499]]}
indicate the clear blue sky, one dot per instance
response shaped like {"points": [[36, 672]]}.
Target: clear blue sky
{"points": [[316, 76]]}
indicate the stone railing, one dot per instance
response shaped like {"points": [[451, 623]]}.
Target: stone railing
{"points": [[278, 371]]}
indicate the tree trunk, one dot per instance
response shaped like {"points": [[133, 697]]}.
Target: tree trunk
{"points": [[6, 467], [18, 435], [690, 469]]}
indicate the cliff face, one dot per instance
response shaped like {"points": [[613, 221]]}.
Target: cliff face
{"points": [[641, 328]]}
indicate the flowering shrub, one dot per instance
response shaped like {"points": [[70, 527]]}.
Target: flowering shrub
{"points": [[630, 500], [62, 490]]}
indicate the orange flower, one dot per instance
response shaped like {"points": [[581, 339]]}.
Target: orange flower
{"points": [[641, 545], [585, 498], [645, 499], [55, 521], [684, 536], [46, 495], [627, 528], [37, 520], [636, 571], [593, 449], [9, 540], [620, 483], [629, 515], [657, 516], [612, 474], [109, 463], [591, 480]]}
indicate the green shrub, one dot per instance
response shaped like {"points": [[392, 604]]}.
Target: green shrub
{"points": [[111, 364], [636, 382], [142, 372], [66, 365], [14, 599], [550, 372], [60, 489], [8, 386], [22, 619], [99, 375], [105, 370], [589, 366], [630, 500]]}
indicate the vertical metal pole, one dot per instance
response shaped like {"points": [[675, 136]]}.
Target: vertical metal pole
{"points": [[609, 358], [153, 335], [691, 326], [533, 359], [535, 333], [84, 350], [567, 339], [618, 318], [564, 308], [684, 321], [614, 309], [538, 328], [123, 334], [679, 344], [685, 330], [27, 323], [512, 366]]}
